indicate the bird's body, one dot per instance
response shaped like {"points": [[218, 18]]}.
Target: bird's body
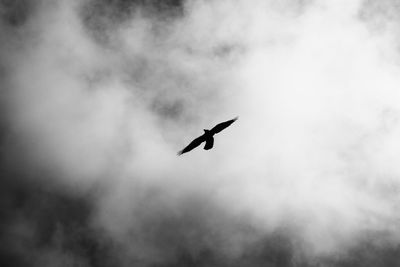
{"points": [[209, 142], [207, 137]]}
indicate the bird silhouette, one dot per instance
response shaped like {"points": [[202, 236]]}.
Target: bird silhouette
{"points": [[207, 136]]}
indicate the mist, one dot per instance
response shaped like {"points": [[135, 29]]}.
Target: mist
{"points": [[98, 96]]}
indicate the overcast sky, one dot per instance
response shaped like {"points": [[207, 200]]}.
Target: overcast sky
{"points": [[98, 96]]}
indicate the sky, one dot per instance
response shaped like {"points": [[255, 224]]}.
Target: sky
{"points": [[98, 96]]}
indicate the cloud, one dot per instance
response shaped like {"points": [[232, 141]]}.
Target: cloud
{"points": [[99, 95]]}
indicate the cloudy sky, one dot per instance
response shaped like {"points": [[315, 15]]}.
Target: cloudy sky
{"points": [[97, 97]]}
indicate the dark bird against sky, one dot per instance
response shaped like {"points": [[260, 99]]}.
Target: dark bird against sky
{"points": [[207, 137]]}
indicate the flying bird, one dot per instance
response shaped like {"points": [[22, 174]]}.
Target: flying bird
{"points": [[207, 137]]}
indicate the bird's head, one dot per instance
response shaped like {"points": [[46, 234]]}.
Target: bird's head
{"points": [[206, 131]]}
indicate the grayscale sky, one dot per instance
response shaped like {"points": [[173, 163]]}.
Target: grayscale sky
{"points": [[98, 96]]}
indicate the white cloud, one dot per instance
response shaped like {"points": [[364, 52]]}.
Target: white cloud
{"points": [[315, 147]]}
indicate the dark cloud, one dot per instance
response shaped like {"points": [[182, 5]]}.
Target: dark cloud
{"points": [[103, 16], [16, 13], [43, 224]]}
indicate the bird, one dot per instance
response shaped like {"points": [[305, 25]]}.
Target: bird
{"points": [[207, 136]]}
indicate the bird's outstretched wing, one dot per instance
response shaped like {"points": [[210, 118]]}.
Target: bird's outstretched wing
{"points": [[195, 143], [219, 127]]}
